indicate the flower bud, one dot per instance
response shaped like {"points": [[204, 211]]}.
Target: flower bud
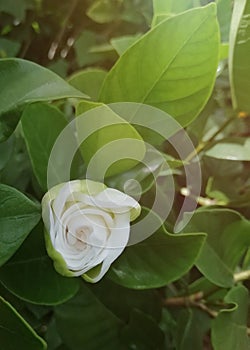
{"points": [[87, 227]]}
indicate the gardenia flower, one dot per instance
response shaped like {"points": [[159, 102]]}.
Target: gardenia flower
{"points": [[87, 227]]}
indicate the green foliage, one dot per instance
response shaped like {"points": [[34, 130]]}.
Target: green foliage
{"points": [[239, 49], [31, 266], [29, 83], [15, 331], [36, 126], [232, 321], [18, 215], [178, 82], [67, 72]]}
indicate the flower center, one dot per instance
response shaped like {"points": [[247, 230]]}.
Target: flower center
{"points": [[79, 239]]}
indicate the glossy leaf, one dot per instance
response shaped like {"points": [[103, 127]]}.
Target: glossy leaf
{"points": [[178, 82], [88, 81], [31, 266], [158, 260], [239, 68], [41, 124], [15, 332], [227, 241], [231, 149], [18, 216], [108, 142], [229, 329], [23, 82], [85, 322]]}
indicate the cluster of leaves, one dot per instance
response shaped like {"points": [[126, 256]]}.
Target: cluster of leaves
{"points": [[186, 290]]}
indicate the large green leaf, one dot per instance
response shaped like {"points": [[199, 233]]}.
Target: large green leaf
{"points": [[239, 67], [172, 67], [18, 216], [15, 332], [41, 125], [23, 82], [108, 142], [31, 276], [89, 81], [84, 322], [227, 241], [229, 329], [158, 260]]}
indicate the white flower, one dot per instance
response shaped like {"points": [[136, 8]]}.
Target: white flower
{"points": [[87, 227]]}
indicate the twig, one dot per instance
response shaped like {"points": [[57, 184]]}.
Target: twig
{"points": [[242, 276], [193, 300], [56, 42], [203, 144]]}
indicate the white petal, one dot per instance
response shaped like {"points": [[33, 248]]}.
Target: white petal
{"points": [[116, 202], [116, 243]]}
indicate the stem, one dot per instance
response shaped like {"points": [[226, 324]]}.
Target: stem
{"points": [[197, 299], [204, 144], [193, 300]]}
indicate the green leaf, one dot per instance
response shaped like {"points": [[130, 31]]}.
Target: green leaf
{"points": [[85, 322], [142, 332], [239, 44], [108, 142], [164, 9], [192, 325], [224, 12], [88, 81], [170, 77], [23, 82], [234, 148], [31, 266], [104, 11], [15, 332], [146, 301], [17, 171], [83, 45], [18, 216], [229, 329], [6, 149], [142, 177], [41, 124], [158, 260], [227, 241], [122, 43]]}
